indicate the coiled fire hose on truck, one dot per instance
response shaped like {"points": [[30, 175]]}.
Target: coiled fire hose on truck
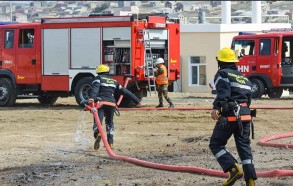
{"points": [[175, 168]]}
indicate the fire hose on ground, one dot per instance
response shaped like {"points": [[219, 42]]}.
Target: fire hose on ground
{"points": [[198, 170], [203, 108]]}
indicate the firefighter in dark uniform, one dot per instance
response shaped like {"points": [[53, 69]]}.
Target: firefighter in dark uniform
{"points": [[231, 110], [103, 88]]}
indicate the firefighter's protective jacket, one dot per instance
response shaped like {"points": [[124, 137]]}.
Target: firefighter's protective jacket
{"points": [[161, 76], [105, 87], [231, 86]]}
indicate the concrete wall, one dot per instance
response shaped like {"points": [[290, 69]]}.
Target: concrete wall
{"points": [[206, 40], [198, 45]]}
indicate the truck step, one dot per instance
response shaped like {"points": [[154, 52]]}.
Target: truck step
{"points": [[27, 97]]}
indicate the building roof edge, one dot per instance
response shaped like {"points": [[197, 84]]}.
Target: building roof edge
{"points": [[231, 27]]}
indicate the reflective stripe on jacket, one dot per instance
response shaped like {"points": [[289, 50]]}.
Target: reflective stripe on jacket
{"points": [[162, 79]]}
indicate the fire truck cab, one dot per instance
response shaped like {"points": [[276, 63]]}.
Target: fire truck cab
{"points": [[267, 60], [58, 57]]}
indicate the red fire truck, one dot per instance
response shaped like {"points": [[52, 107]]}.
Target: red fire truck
{"points": [[267, 60], [58, 57]]}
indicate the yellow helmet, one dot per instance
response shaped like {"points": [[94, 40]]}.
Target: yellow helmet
{"points": [[227, 55], [102, 69]]}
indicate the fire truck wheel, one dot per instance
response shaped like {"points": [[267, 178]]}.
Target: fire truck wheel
{"points": [[126, 102], [275, 93], [82, 89], [7, 93], [257, 88], [47, 100]]}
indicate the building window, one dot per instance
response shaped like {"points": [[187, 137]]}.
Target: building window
{"points": [[197, 70]]}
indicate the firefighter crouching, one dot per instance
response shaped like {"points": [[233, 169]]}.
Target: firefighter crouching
{"points": [[231, 110], [103, 88]]}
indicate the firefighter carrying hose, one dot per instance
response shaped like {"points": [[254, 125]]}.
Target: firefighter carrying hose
{"points": [[231, 110], [103, 89]]}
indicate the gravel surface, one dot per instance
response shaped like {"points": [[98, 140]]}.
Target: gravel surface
{"points": [[54, 145]]}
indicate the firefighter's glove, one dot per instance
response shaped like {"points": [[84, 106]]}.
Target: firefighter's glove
{"points": [[93, 110], [215, 114]]}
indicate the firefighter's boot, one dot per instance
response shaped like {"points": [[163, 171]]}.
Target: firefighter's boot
{"points": [[250, 182], [97, 142], [111, 145], [171, 105], [160, 105], [235, 173]]}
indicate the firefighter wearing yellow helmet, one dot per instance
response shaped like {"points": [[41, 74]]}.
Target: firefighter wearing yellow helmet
{"points": [[102, 69], [233, 116], [103, 89], [226, 55]]}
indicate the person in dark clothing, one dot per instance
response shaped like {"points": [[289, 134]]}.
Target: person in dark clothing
{"points": [[231, 110], [104, 88], [284, 50]]}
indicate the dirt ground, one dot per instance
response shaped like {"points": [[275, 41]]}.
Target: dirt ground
{"points": [[54, 145]]}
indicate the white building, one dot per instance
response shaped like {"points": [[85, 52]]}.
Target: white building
{"points": [[200, 43], [21, 18], [37, 4], [4, 18]]}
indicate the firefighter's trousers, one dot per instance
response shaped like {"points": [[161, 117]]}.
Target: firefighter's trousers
{"points": [[163, 91], [222, 132], [108, 112]]}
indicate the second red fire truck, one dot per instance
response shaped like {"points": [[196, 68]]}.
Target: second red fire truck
{"points": [[58, 57], [267, 60]]}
